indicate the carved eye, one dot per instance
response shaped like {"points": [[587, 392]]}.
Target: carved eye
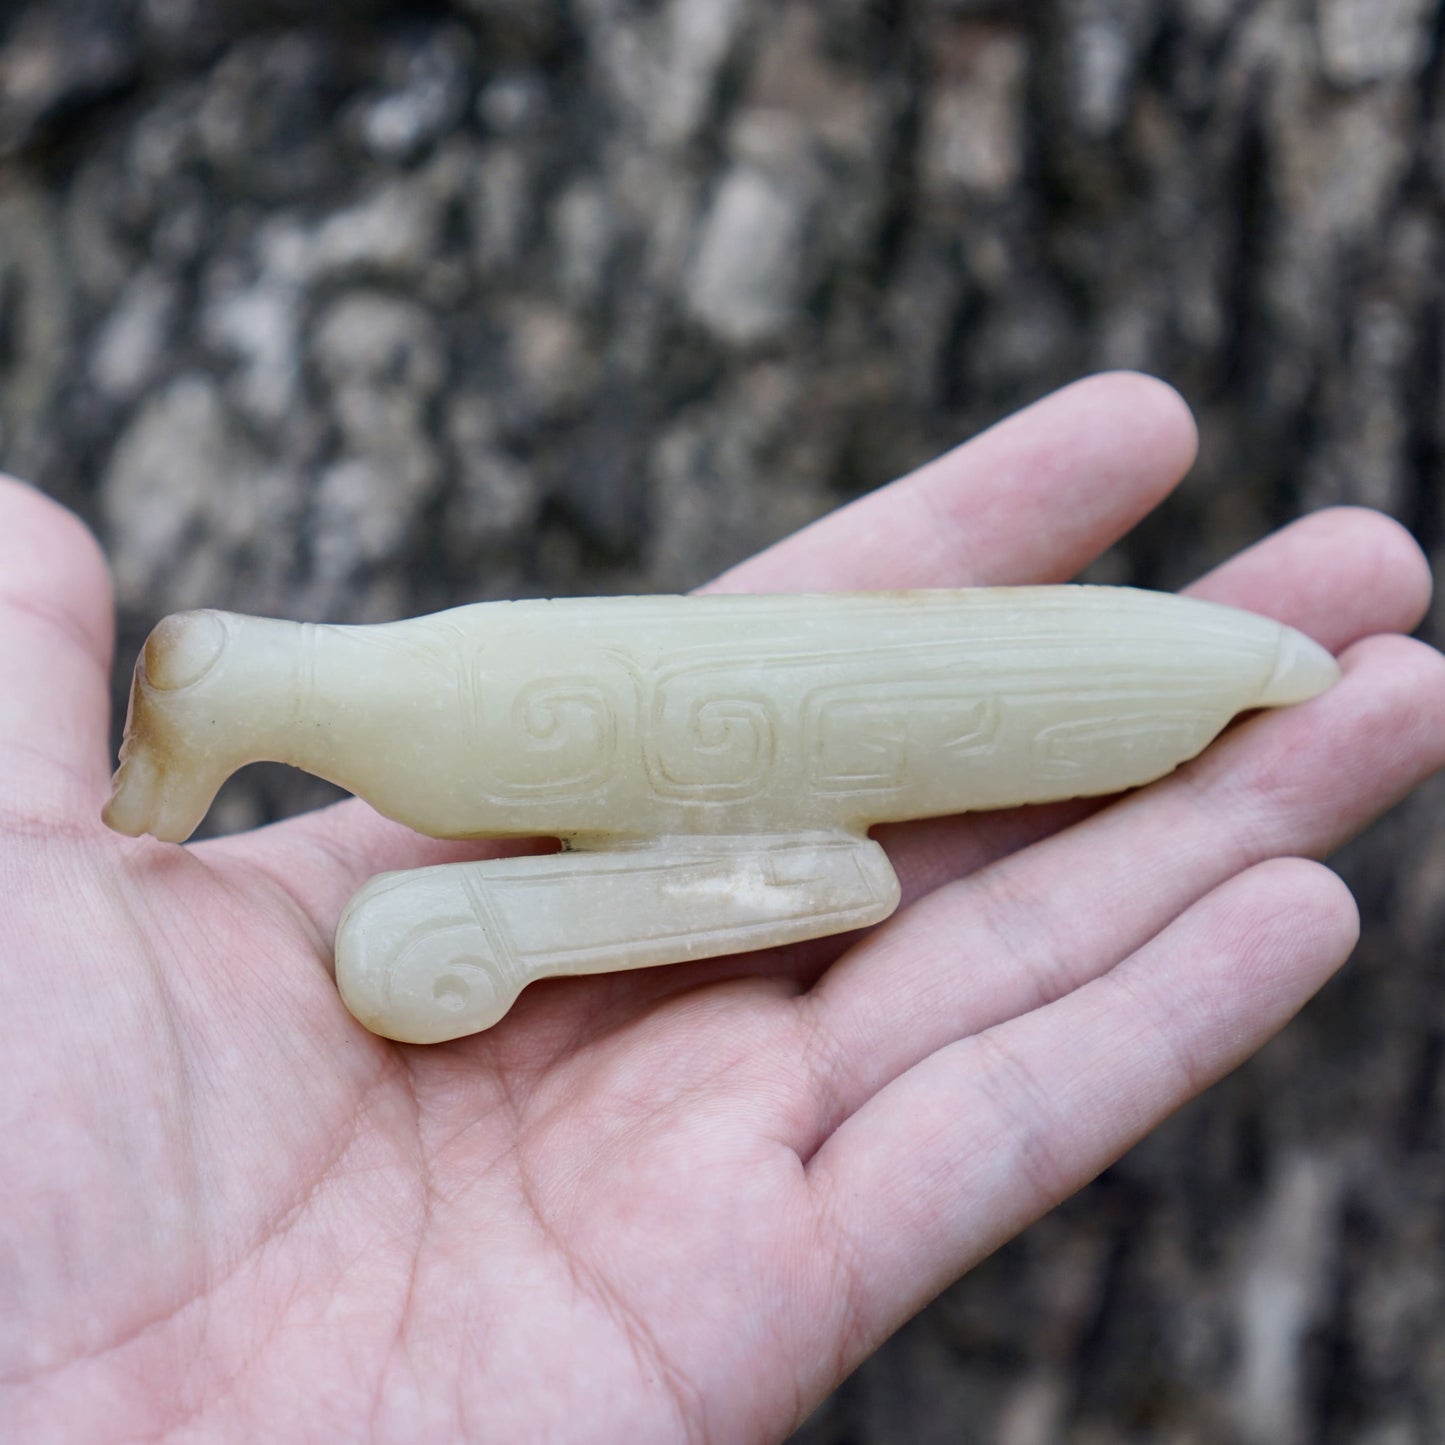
{"points": [[451, 992], [442, 981], [419, 983], [182, 649], [456, 989]]}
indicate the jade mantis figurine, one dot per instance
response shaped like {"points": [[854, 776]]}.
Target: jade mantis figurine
{"points": [[711, 765]]}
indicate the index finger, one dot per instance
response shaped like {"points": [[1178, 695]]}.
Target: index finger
{"points": [[1033, 499]]}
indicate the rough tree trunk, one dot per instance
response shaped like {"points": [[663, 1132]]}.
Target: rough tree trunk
{"points": [[364, 309]]}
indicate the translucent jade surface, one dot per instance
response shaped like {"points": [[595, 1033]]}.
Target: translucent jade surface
{"points": [[712, 764]]}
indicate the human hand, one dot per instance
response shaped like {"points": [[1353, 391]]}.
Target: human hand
{"points": [[681, 1203]]}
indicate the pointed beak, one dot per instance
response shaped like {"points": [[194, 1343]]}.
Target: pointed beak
{"points": [[131, 808], [146, 798], [156, 790]]}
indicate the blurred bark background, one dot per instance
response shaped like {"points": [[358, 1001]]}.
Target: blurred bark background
{"points": [[355, 310]]}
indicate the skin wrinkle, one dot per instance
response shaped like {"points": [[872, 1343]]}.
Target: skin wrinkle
{"points": [[516, 1110], [1266, 784], [632, 999], [435, 1136], [63, 621], [601, 1060], [286, 1219], [1188, 1067], [200, 1406], [31, 823], [1026, 1111], [318, 937], [601, 1162], [587, 1034], [428, 1196], [780, 1097], [229, 1382], [777, 1329], [824, 1062], [203, 1301], [589, 1282], [148, 1325], [942, 522], [466, 1089], [1043, 948], [1019, 925], [449, 1110], [847, 1271], [1268, 921], [284, 1227], [214, 1283], [287, 911], [334, 849]]}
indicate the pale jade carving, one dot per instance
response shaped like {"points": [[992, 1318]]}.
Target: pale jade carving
{"points": [[712, 764]]}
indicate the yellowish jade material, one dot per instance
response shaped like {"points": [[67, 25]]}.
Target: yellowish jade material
{"points": [[712, 764]]}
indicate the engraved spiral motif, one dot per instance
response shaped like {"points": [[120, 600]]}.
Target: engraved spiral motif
{"points": [[708, 744], [562, 740], [439, 982], [858, 742], [448, 974]]}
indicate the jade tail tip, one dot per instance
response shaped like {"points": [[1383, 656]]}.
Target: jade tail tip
{"points": [[1303, 669]]}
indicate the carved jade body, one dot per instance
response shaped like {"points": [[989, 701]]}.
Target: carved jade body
{"points": [[712, 763]]}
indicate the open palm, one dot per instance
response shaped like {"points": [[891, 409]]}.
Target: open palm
{"points": [[669, 1205]]}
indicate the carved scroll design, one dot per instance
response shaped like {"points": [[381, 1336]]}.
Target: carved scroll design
{"points": [[551, 738], [705, 741], [1065, 750], [858, 742], [568, 728]]}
